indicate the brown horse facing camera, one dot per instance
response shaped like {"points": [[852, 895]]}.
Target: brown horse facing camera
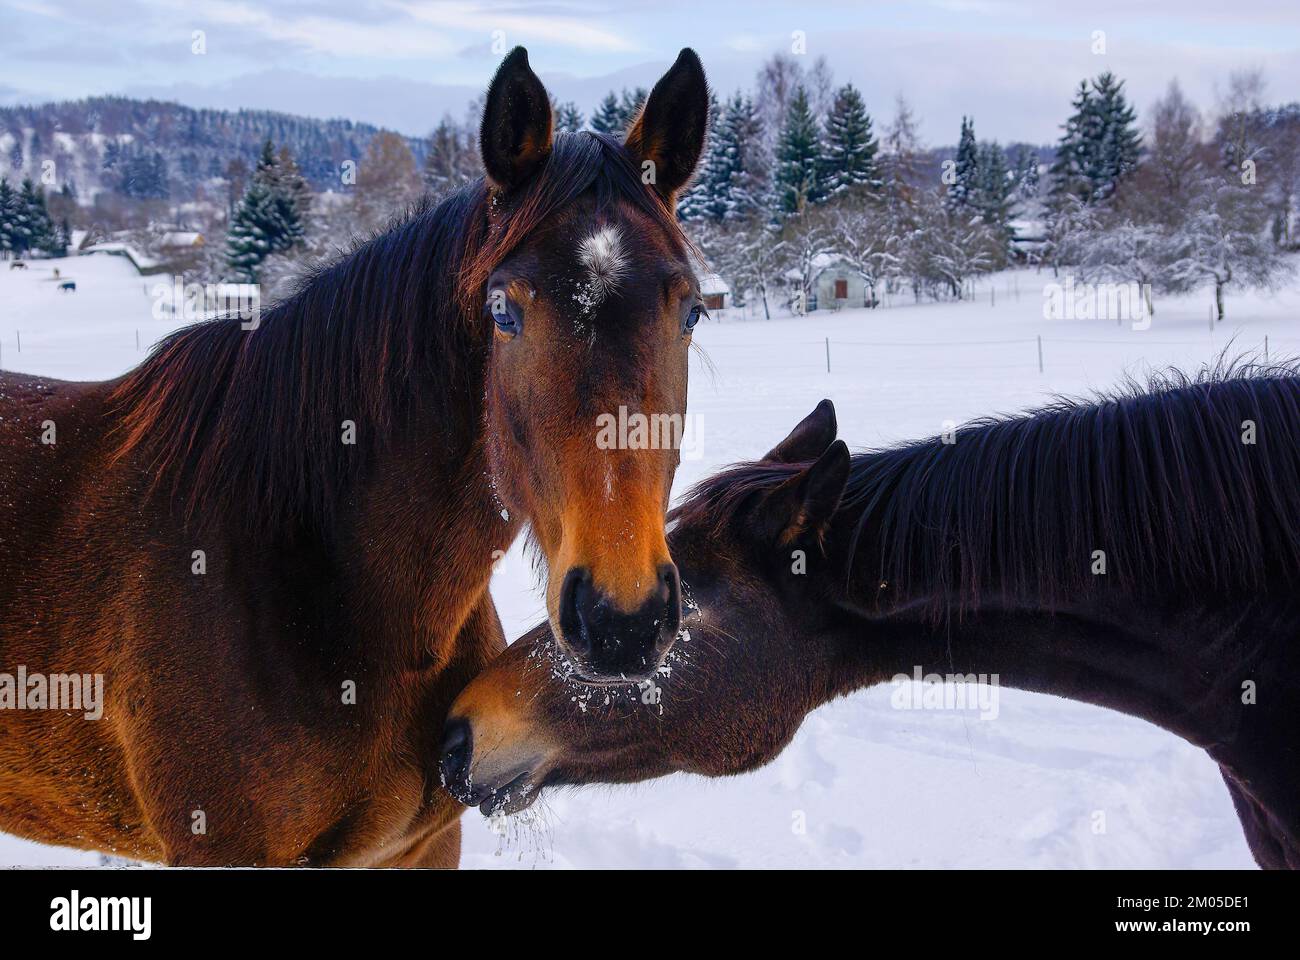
{"points": [[976, 557], [273, 546]]}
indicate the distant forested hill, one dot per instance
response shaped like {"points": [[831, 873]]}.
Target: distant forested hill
{"points": [[151, 149]]}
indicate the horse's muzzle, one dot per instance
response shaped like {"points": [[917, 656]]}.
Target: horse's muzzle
{"points": [[607, 644], [507, 790]]}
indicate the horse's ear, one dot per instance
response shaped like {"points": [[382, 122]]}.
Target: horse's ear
{"points": [[515, 137], [807, 503], [809, 439], [669, 132]]}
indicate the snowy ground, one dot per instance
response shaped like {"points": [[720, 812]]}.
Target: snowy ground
{"points": [[875, 786]]}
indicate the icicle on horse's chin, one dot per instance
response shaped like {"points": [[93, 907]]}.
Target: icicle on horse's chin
{"points": [[281, 616]]}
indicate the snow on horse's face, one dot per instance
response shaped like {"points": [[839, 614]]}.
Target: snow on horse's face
{"points": [[592, 313]]}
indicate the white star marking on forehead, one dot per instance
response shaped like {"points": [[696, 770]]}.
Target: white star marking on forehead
{"points": [[602, 255]]}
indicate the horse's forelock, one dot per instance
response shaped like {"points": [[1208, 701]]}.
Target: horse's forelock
{"points": [[578, 163]]}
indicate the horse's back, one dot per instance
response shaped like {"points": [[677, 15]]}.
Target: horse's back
{"points": [[53, 451]]}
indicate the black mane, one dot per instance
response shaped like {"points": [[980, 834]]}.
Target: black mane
{"points": [[1155, 475]]}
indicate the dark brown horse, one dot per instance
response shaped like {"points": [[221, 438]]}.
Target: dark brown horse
{"points": [[272, 546], [1141, 552]]}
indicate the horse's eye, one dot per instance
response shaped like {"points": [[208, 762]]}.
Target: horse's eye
{"points": [[693, 317], [504, 313]]}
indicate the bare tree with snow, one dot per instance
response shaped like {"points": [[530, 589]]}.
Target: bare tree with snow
{"points": [[1225, 241]]}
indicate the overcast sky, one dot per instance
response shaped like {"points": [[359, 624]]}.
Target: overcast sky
{"points": [[403, 63]]}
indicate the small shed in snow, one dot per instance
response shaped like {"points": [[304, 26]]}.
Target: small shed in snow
{"points": [[715, 292], [837, 284]]}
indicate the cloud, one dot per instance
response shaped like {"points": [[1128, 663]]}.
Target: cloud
{"points": [[1015, 70], [744, 43], [563, 30], [392, 29], [317, 33], [37, 8]]}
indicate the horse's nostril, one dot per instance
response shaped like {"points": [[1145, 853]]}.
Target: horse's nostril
{"points": [[672, 590], [610, 642], [457, 748], [576, 597], [669, 580]]}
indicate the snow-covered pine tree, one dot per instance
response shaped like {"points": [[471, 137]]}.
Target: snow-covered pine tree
{"points": [[1120, 144], [962, 192], [25, 222], [286, 188], [16, 220], [1071, 171], [994, 183], [33, 229], [708, 189], [48, 238], [444, 165], [797, 175], [850, 157], [630, 105], [268, 219], [254, 232], [728, 187], [608, 116], [744, 132], [1100, 145], [1025, 167], [8, 216], [568, 118], [617, 111]]}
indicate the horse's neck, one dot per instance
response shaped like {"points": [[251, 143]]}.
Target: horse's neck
{"points": [[1181, 670], [426, 534], [1176, 658], [422, 529]]}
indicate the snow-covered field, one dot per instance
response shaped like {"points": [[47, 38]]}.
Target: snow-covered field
{"points": [[874, 786]]}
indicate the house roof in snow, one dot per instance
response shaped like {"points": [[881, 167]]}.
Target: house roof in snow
{"points": [[712, 283], [824, 260], [1027, 230], [141, 261], [181, 238], [820, 264]]}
